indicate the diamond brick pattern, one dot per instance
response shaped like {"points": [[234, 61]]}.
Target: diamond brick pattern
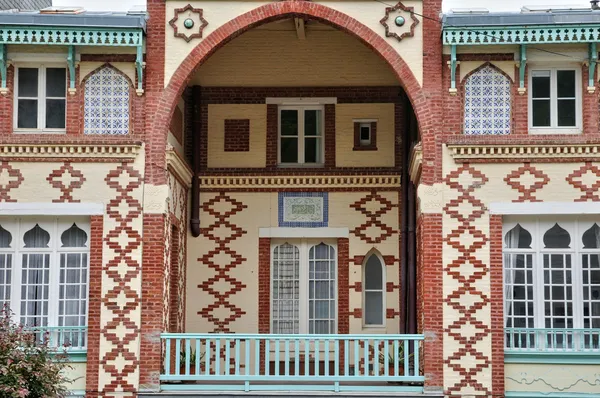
{"points": [[227, 233], [538, 179], [578, 180], [374, 207], [121, 299], [10, 178], [106, 103], [467, 299], [487, 102], [66, 179]]}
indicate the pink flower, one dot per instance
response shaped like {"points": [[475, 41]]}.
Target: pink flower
{"points": [[23, 392]]}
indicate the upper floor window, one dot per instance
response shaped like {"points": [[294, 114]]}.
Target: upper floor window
{"points": [[304, 288], [555, 100], [487, 102], [106, 104], [552, 284], [301, 135], [40, 96], [44, 267]]}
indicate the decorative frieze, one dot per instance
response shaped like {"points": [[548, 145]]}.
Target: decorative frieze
{"points": [[326, 183], [529, 152], [303, 209], [52, 152]]}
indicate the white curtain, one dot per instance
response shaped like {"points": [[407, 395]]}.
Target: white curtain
{"points": [[35, 280], [286, 289]]}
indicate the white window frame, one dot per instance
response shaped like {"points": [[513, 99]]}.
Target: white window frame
{"points": [[537, 227], [554, 128], [55, 226], [300, 109], [383, 290], [304, 246], [41, 98]]}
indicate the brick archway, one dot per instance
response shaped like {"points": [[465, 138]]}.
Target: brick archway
{"points": [[279, 10]]}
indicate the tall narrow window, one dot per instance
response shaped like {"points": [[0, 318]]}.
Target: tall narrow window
{"points": [[304, 290], [5, 266], [373, 311], [590, 267], [35, 277], [487, 103], [106, 104]]}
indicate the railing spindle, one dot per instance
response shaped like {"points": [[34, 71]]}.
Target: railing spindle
{"points": [[247, 356], [207, 357], [197, 356], [366, 357], [267, 351], [168, 357], [277, 363], [416, 357], [317, 359], [177, 356], [306, 357], [237, 357], [297, 357], [376, 357], [396, 364], [346, 357], [217, 356], [356, 359], [188, 353], [386, 355], [406, 352], [287, 357], [257, 356], [326, 347], [227, 357]]}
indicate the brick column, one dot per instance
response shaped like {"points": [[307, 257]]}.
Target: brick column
{"points": [[329, 135], [6, 103], [430, 298], [153, 297], [264, 294], [343, 294], [94, 304], [74, 107], [589, 106], [497, 305], [272, 128]]}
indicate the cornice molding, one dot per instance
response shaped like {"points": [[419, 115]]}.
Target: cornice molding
{"points": [[337, 182], [179, 168], [58, 151], [523, 152], [415, 163]]}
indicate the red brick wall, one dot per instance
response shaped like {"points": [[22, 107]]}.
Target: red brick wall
{"points": [[497, 305], [237, 135], [343, 247]]}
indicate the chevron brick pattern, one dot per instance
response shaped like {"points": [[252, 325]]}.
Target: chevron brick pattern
{"points": [[517, 179], [467, 329], [222, 259], [10, 178], [121, 286], [374, 207], [66, 179], [589, 187]]}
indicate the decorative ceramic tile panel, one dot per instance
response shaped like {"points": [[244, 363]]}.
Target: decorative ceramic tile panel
{"points": [[487, 103], [106, 104], [303, 209]]}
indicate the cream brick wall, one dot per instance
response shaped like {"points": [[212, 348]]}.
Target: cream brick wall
{"points": [[76, 373], [261, 211], [272, 55], [552, 378], [256, 157], [368, 13], [344, 135]]}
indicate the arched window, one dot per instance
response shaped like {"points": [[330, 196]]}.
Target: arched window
{"points": [[5, 265], [374, 291], [487, 103], [106, 104]]}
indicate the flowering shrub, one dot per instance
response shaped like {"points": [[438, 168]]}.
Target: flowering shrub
{"points": [[28, 366]]}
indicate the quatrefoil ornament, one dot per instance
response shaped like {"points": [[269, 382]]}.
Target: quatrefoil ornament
{"points": [[188, 23]]}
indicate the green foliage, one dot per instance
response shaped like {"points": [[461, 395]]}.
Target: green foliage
{"points": [[29, 367], [390, 359]]}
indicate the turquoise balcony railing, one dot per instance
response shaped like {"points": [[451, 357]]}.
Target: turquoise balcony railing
{"points": [[552, 340], [254, 362], [71, 338]]}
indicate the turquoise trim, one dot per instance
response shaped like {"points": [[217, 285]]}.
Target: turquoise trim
{"points": [[453, 67], [3, 64], [289, 387], [139, 64], [539, 34], [522, 65], [74, 357], [519, 394], [593, 59], [71, 63], [571, 358]]}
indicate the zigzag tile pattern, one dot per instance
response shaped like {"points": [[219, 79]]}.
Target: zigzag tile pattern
{"points": [[527, 191], [467, 326], [12, 179], [223, 268], [121, 299]]}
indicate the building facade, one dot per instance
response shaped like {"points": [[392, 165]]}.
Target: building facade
{"points": [[305, 195]]}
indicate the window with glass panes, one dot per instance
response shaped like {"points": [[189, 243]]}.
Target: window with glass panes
{"points": [[301, 135], [555, 99], [40, 96], [552, 280], [374, 291], [44, 265], [303, 287]]}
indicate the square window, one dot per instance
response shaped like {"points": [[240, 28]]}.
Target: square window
{"points": [[301, 135], [40, 96]]}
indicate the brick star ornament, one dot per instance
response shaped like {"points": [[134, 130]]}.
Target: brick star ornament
{"points": [[402, 14], [188, 23]]}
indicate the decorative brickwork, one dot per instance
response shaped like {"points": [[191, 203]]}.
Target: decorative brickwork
{"points": [[121, 287], [66, 179], [374, 207], [467, 330], [10, 178], [237, 135], [94, 306], [497, 305], [590, 185], [390, 32], [534, 179], [181, 14], [222, 267]]}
